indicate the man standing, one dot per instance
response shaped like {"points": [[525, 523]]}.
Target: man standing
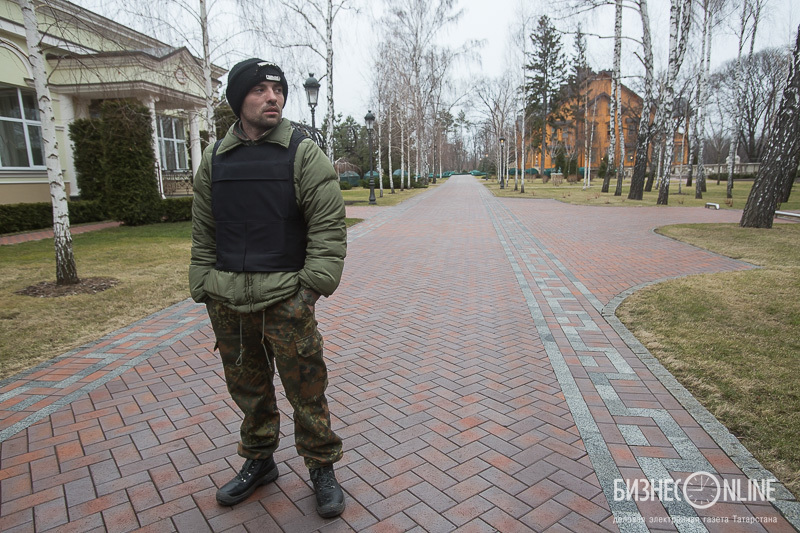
{"points": [[268, 238]]}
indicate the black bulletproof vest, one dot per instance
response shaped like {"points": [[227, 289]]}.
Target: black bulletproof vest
{"points": [[259, 226]]}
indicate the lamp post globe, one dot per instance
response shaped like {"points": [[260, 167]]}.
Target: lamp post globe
{"points": [[369, 119], [311, 86]]}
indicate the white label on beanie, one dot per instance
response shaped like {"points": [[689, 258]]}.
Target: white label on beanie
{"points": [[270, 77]]}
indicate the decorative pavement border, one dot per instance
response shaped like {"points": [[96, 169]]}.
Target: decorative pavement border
{"points": [[521, 252], [752, 468], [25, 398]]}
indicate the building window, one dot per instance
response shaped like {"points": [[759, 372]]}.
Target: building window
{"points": [[172, 143], [20, 129]]}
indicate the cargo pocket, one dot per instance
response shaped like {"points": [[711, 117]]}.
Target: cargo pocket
{"points": [[313, 374]]}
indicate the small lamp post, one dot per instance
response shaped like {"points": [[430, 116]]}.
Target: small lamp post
{"points": [[312, 92], [369, 119], [502, 181]]}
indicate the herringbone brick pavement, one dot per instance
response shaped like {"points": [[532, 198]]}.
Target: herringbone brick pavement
{"points": [[476, 378]]}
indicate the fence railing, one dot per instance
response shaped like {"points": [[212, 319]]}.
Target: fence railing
{"points": [[177, 182], [716, 168]]}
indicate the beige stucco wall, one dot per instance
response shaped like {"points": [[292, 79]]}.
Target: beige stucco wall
{"points": [[26, 185], [170, 85]]}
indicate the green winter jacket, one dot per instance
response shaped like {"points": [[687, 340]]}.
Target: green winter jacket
{"points": [[319, 199]]}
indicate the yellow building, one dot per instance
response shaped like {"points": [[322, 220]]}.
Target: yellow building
{"points": [[571, 134], [90, 58]]}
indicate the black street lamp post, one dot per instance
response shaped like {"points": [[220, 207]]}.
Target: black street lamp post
{"points": [[312, 92], [369, 118], [502, 166]]}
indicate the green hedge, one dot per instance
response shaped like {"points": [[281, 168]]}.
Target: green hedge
{"points": [[176, 209], [87, 140], [129, 162], [28, 217], [15, 218]]}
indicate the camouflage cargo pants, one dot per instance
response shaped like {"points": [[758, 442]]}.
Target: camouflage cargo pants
{"points": [[286, 334]]}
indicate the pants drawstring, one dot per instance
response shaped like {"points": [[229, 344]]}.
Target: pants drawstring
{"points": [[263, 342], [241, 343]]}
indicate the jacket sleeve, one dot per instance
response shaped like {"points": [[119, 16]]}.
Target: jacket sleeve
{"points": [[204, 240], [323, 208]]}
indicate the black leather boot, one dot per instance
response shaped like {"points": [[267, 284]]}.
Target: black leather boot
{"points": [[330, 498], [253, 474]]}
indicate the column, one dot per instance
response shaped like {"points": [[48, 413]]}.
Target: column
{"points": [[194, 139], [66, 117], [151, 105]]}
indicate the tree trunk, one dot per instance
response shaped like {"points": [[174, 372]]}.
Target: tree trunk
{"points": [[617, 90], [209, 90], [66, 271], [329, 75], [702, 100], [645, 132], [782, 156], [380, 159], [737, 119], [389, 151], [402, 154], [680, 22], [612, 138]]}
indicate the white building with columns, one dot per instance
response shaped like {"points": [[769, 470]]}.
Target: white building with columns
{"points": [[89, 59]]}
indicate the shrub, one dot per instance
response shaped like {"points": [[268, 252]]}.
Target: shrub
{"points": [[345, 186], [25, 217], [128, 157], [87, 139], [83, 211], [176, 209], [15, 218], [395, 180]]}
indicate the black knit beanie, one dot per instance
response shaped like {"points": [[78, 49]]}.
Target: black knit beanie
{"points": [[247, 74]]}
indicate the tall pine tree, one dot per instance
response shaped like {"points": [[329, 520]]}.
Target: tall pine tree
{"points": [[546, 73]]}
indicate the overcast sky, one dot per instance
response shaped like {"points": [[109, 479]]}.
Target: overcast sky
{"points": [[492, 22]]}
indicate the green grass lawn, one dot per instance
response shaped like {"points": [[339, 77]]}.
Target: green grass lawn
{"points": [[151, 263], [733, 339], [574, 193], [360, 195]]}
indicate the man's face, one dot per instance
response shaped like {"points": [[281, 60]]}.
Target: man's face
{"points": [[262, 108]]}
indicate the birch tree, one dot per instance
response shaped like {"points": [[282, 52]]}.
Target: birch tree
{"points": [[782, 156], [163, 23], [680, 19], [497, 97], [709, 9], [644, 134], [209, 87], [617, 95], [751, 13], [66, 271], [305, 25]]}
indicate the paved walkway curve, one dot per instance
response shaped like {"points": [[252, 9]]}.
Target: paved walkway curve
{"points": [[478, 378]]}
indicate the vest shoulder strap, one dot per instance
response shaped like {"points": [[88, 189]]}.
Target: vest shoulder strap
{"points": [[297, 137]]}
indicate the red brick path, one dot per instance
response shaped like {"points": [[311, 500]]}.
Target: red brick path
{"points": [[48, 233], [473, 377]]}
